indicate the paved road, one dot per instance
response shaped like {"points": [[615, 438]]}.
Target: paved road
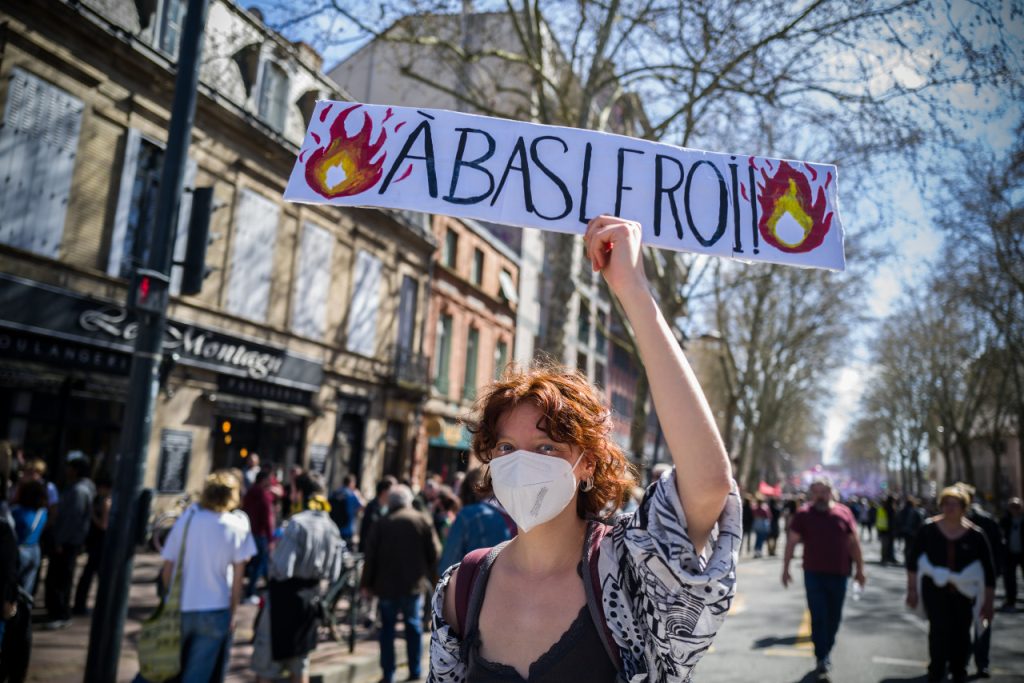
{"points": [[767, 635]]}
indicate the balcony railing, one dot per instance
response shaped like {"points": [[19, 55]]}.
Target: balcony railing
{"points": [[410, 369]]}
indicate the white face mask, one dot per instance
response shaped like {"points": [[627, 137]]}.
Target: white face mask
{"points": [[533, 488]]}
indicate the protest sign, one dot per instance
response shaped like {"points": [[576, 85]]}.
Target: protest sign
{"points": [[555, 178]]}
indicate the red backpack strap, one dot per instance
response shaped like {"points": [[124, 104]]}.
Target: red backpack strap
{"points": [[468, 570], [596, 531]]}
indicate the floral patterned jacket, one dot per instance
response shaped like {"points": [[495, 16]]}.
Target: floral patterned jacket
{"points": [[662, 601]]}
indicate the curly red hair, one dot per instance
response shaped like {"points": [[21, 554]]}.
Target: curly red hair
{"points": [[574, 413]]}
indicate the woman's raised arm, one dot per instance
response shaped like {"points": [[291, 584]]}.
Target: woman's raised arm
{"points": [[703, 473]]}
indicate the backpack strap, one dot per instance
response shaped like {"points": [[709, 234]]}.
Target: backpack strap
{"points": [[596, 531], [473, 589]]}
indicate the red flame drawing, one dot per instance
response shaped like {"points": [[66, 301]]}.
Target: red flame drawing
{"points": [[789, 191], [352, 153]]}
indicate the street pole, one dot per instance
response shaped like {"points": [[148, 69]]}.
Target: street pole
{"points": [[148, 294]]}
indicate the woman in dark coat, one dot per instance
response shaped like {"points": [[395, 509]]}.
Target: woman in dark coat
{"points": [[951, 571]]}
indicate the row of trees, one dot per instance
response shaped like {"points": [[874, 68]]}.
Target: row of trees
{"points": [[867, 85], [950, 358]]}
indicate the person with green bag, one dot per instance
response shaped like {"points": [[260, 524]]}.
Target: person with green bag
{"points": [[210, 560]]}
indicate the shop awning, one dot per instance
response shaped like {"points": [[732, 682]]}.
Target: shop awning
{"points": [[447, 433]]}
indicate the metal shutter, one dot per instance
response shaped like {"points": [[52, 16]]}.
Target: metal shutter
{"points": [[252, 256], [362, 316], [312, 281], [38, 143]]}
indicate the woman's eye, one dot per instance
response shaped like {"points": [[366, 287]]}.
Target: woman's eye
{"points": [[547, 448], [503, 448]]}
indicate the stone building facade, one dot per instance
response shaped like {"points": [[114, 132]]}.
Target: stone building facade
{"points": [[305, 344]]}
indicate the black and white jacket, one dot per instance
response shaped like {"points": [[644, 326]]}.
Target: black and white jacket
{"points": [[662, 602]]}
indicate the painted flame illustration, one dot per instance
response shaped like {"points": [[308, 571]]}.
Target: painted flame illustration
{"points": [[353, 153], [789, 191]]}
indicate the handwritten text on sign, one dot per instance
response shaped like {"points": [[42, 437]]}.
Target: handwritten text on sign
{"points": [[555, 178]]}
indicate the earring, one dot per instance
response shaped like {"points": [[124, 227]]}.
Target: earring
{"points": [[587, 484]]}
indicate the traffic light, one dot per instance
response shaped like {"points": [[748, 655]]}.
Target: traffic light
{"points": [[149, 291], [194, 269]]}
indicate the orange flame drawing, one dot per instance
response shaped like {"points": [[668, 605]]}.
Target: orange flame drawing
{"points": [[788, 191], [352, 153]]}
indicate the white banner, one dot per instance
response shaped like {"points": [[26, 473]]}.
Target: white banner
{"points": [[553, 178]]}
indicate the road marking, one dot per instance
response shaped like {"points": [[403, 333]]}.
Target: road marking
{"points": [[900, 662], [739, 604], [921, 624], [803, 634], [787, 652]]}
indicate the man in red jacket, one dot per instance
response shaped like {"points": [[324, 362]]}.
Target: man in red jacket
{"points": [[258, 504]]}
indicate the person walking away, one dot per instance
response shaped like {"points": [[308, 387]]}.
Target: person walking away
{"points": [[218, 544], [748, 522], [375, 510], [479, 524], [30, 514], [762, 525], [950, 572], [94, 542], [401, 557], [829, 535], [258, 505], [872, 517], [252, 468], [977, 516], [310, 550], [1013, 534], [346, 502], [913, 518], [773, 530], [70, 530], [885, 523], [9, 558]]}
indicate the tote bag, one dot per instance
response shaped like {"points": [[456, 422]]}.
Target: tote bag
{"points": [[160, 639]]}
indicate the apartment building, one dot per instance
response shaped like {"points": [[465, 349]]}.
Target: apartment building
{"points": [[305, 344]]}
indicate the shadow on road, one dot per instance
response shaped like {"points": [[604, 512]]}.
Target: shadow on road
{"points": [[772, 641], [811, 677], [911, 679]]}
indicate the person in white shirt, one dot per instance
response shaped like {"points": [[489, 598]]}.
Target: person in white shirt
{"points": [[217, 544]]}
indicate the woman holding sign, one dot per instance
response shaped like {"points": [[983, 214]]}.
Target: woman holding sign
{"points": [[577, 596]]}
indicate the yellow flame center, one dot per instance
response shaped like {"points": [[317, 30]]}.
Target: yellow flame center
{"points": [[347, 164], [790, 203]]}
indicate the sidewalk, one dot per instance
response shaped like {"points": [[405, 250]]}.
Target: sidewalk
{"points": [[59, 656]]}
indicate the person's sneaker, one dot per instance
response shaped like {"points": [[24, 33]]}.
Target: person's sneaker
{"points": [[252, 600], [56, 624], [983, 672]]}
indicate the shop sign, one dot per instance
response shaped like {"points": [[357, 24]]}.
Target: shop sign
{"points": [[53, 312], [318, 458], [26, 346], [175, 453], [251, 388]]}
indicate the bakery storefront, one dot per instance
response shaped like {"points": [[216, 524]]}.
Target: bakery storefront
{"points": [[64, 365]]}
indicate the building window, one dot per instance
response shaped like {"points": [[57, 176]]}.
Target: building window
{"points": [[407, 314], [442, 353], [38, 144], [172, 17], [599, 373], [622, 405], [507, 288], [273, 95], [362, 314], [500, 358], [472, 352], [312, 282], [583, 323], [582, 362], [600, 341], [451, 248], [477, 276]]}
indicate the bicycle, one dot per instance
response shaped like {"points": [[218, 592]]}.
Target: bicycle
{"points": [[161, 525], [346, 586]]}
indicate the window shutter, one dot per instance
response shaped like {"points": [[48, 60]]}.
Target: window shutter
{"points": [[312, 281], [184, 213], [362, 317], [38, 144], [252, 256], [132, 142]]}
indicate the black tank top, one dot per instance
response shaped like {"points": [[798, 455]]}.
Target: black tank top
{"points": [[578, 655]]}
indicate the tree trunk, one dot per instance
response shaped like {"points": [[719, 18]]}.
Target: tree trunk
{"points": [[559, 276]]}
